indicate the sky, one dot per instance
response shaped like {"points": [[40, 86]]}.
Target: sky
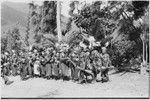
{"points": [[65, 4]]}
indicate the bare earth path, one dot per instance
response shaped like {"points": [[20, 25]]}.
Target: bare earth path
{"points": [[120, 85]]}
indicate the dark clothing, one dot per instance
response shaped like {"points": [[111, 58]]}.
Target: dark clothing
{"points": [[23, 67]]}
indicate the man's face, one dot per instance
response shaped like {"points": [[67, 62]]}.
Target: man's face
{"points": [[43, 53], [6, 53], [54, 52], [47, 52], [103, 50], [35, 51]]}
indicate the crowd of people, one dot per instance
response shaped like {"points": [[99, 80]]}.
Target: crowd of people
{"points": [[77, 64]]}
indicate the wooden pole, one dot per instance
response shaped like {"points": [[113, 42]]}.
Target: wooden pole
{"points": [[58, 22]]}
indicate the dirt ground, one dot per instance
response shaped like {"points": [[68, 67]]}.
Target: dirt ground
{"points": [[120, 85]]}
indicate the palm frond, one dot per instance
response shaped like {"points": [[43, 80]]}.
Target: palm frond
{"points": [[51, 38], [72, 34]]}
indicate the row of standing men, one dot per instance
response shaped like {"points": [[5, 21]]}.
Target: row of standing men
{"points": [[48, 64]]}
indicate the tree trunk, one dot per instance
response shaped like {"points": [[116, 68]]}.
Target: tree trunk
{"points": [[146, 54], [9, 41], [143, 65], [143, 52], [58, 22], [27, 29]]}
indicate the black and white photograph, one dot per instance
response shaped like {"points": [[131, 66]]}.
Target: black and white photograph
{"points": [[74, 49]]}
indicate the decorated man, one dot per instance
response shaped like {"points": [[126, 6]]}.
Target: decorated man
{"points": [[14, 63], [97, 63], [105, 65], [4, 64]]}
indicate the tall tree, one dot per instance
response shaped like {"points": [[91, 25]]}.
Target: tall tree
{"points": [[13, 40], [28, 28], [43, 19]]}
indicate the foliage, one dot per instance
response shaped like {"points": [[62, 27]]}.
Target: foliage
{"points": [[43, 19], [96, 21], [72, 8], [101, 22], [3, 44], [122, 51], [12, 40], [28, 29], [139, 8]]}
